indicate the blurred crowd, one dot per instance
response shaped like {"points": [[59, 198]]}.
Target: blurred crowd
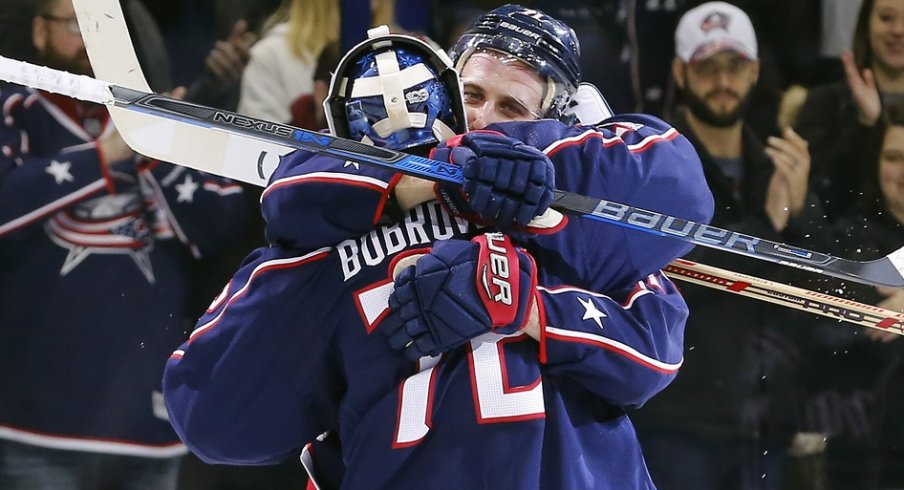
{"points": [[800, 127]]}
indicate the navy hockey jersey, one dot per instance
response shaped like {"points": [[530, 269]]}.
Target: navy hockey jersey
{"points": [[290, 349], [94, 268]]}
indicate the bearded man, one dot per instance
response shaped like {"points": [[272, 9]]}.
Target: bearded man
{"points": [[727, 420]]}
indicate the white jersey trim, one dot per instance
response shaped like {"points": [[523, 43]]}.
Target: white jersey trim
{"points": [[633, 148], [615, 345], [326, 176], [52, 206]]}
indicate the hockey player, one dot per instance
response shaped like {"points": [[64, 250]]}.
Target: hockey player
{"points": [[96, 257], [291, 348]]}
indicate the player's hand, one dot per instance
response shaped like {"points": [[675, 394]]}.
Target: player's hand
{"points": [[506, 182], [787, 192], [864, 89], [114, 149], [227, 59], [410, 191], [458, 291]]}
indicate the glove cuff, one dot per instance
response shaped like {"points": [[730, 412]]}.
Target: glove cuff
{"points": [[498, 278]]}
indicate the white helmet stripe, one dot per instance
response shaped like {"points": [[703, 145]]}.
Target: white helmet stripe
{"points": [[441, 130], [384, 127], [393, 95], [371, 86]]}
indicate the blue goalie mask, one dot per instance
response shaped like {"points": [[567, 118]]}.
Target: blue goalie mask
{"points": [[395, 91]]}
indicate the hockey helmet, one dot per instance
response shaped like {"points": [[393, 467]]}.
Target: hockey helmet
{"points": [[395, 91], [543, 42]]}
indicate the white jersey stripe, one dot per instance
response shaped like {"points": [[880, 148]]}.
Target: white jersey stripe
{"points": [[633, 148], [327, 176], [52, 207], [613, 345]]}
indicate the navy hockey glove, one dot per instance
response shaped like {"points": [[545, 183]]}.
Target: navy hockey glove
{"points": [[506, 182], [458, 291]]}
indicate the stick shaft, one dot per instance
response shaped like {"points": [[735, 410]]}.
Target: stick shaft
{"points": [[788, 296]]}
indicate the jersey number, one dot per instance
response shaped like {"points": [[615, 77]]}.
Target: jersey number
{"points": [[494, 400]]}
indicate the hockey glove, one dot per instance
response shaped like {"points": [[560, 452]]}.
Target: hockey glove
{"points": [[506, 182], [458, 291]]}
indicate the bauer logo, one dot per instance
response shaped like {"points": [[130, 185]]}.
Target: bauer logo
{"points": [[496, 274], [497, 277], [519, 30], [668, 225]]}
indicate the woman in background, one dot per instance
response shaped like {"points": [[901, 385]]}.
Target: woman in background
{"points": [[279, 83]]}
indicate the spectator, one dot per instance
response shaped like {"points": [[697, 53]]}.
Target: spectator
{"points": [[282, 63], [96, 261], [307, 110], [220, 84], [855, 399], [726, 421], [837, 118]]}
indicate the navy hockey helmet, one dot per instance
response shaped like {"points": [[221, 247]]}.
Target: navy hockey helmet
{"points": [[395, 91], [543, 42]]}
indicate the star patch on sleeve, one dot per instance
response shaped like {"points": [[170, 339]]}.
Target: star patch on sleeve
{"points": [[60, 171], [591, 312], [186, 190]]}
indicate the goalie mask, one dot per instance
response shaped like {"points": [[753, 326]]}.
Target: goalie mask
{"points": [[547, 44], [395, 91]]}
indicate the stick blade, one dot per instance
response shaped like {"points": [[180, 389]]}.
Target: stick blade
{"points": [[104, 30], [216, 152]]}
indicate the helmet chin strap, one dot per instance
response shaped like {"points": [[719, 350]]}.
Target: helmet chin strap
{"points": [[549, 96]]}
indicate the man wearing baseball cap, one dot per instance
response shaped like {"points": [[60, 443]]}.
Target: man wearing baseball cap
{"points": [[726, 421]]}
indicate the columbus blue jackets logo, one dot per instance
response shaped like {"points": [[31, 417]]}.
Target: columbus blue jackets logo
{"points": [[715, 20], [104, 226]]}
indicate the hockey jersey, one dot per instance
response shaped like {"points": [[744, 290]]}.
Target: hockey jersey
{"points": [[95, 269], [291, 347]]}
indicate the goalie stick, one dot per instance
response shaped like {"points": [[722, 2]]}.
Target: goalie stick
{"points": [[199, 137]]}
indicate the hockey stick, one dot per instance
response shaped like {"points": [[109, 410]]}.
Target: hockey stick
{"points": [[789, 296], [93, 90], [113, 58], [197, 136]]}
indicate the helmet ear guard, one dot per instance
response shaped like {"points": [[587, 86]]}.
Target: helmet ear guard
{"points": [[395, 91]]}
